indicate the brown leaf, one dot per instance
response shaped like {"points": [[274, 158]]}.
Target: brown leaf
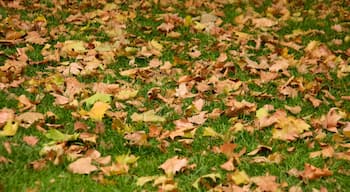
{"points": [[138, 138], [28, 118], [173, 165], [38, 165], [7, 146], [30, 140], [228, 165], [6, 115], [34, 37], [266, 183], [227, 149], [310, 172], [4, 160], [295, 110], [82, 166], [331, 121]]}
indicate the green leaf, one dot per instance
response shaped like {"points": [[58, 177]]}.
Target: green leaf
{"points": [[56, 135], [106, 98]]}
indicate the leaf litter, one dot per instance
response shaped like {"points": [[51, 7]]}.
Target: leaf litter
{"points": [[215, 61]]}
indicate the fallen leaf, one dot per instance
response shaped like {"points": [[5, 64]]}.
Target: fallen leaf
{"points": [[141, 181], [211, 176], [310, 172], [138, 138], [210, 132], [263, 22], [56, 135], [148, 116], [30, 140], [106, 98], [38, 165], [228, 165], [6, 115], [28, 118], [98, 111], [126, 94], [7, 146], [266, 183], [289, 128], [331, 121], [173, 165], [239, 177], [295, 110], [82, 166], [10, 129], [72, 48]]}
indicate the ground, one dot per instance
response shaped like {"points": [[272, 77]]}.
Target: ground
{"points": [[221, 95]]}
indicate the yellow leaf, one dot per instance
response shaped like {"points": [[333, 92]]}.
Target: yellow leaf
{"points": [[126, 159], [210, 132], [155, 44], [240, 177], [9, 129], [126, 94], [188, 21], [148, 116], [261, 113], [212, 176], [143, 180], [98, 110], [289, 128]]}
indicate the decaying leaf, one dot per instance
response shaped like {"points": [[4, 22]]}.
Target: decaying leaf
{"points": [[173, 165]]}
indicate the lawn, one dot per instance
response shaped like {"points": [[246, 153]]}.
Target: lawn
{"points": [[173, 95]]}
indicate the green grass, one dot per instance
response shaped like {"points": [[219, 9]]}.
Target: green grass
{"points": [[44, 78]]}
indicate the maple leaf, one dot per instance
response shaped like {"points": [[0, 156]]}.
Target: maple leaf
{"points": [[173, 165], [331, 120], [310, 172], [82, 166], [148, 116], [289, 128], [34, 37], [166, 27], [228, 165], [266, 183], [98, 110]]}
